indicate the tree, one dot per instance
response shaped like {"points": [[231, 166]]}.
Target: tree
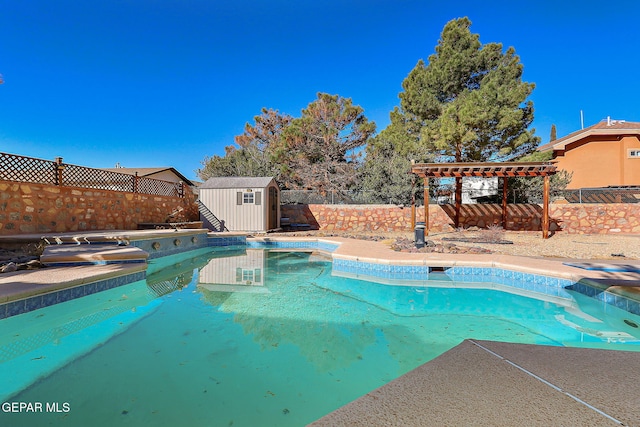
{"points": [[235, 162], [552, 137], [320, 149], [384, 176], [530, 190], [470, 99], [254, 154]]}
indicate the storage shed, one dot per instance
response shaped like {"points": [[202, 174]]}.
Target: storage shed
{"points": [[243, 203]]}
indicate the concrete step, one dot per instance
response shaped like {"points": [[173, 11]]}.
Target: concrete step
{"points": [[94, 254]]}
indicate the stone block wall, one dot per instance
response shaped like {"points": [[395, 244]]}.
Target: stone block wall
{"points": [[40, 208], [605, 218], [569, 218]]}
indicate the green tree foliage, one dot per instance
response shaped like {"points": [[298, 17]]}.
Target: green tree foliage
{"points": [[537, 156], [470, 99], [384, 176], [253, 154], [468, 104], [318, 150], [228, 165], [260, 139], [529, 190], [552, 137]]}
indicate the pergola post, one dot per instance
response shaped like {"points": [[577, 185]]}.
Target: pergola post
{"points": [[505, 183], [426, 206], [413, 214], [545, 208], [458, 201], [413, 206]]}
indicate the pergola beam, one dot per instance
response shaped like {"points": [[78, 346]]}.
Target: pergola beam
{"points": [[484, 170]]}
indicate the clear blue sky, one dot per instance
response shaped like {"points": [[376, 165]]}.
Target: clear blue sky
{"points": [[167, 82]]}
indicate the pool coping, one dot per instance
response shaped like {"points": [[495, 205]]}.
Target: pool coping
{"points": [[32, 284], [625, 284]]}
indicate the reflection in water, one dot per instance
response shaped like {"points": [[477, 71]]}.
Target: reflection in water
{"points": [[330, 333], [331, 330], [333, 321], [166, 278], [238, 272]]}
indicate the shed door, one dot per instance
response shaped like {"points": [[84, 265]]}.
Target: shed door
{"points": [[273, 208]]}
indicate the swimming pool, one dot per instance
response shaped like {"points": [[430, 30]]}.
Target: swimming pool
{"points": [[247, 337]]}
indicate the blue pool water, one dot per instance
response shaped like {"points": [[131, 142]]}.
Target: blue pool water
{"points": [[262, 338]]}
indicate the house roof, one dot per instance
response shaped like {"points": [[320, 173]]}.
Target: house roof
{"points": [[237, 182], [150, 171], [605, 127]]}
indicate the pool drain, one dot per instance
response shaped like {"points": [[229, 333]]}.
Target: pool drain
{"points": [[631, 323]]}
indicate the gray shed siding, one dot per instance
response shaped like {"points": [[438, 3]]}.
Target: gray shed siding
{"points": [[223, 202], [236, 270]]}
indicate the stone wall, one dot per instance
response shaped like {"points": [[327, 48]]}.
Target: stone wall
{"points": [[41, 208], [569, 218], [623, 218]]}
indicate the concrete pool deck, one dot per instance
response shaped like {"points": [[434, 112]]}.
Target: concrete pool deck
{"points": [[477, 383], [485, 383], [99, 253]]}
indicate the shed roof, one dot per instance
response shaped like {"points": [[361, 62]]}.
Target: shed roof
{"points": [[237, 182]]}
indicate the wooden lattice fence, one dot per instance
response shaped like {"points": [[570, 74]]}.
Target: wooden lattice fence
{"points": [[28, 169]]}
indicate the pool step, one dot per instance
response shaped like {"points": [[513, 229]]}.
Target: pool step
{"points": [[94, 254]]}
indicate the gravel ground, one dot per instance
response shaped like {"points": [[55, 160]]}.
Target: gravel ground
{"points": [[579, 246], [576, 246]]}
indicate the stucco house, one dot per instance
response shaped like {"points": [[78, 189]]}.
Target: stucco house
{"points": [[603, 155], [243, 203]]}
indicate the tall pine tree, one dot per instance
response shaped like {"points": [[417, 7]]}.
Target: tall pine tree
{"points": [[470, 100], [320, 150]]}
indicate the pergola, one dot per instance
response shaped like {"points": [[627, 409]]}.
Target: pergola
{"points": [[484, 170]]}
